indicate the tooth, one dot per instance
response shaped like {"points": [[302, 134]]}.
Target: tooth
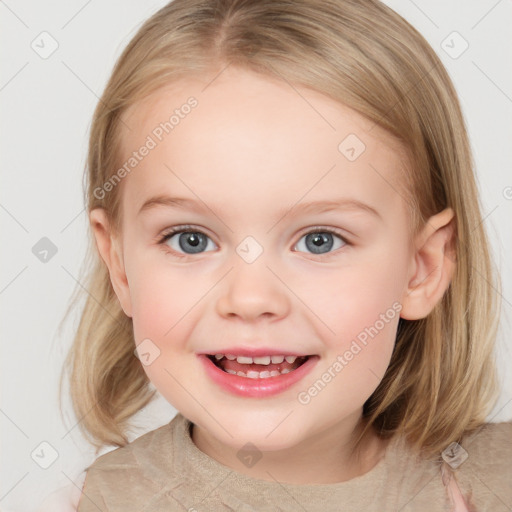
{"points": [[219, 356], [262, 360], [231, 357], [291, 359], [251, 374], [277, 359], [244, 360]]}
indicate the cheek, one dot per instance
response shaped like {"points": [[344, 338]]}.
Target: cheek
{"points": [[357, 355], [162, 296], [164, 313], [359, 310], [356, 296]]}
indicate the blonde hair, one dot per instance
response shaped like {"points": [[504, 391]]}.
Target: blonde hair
{"points": [[441, 381]]}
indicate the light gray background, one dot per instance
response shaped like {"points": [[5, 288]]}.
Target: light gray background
{"points": [[47, 104]]}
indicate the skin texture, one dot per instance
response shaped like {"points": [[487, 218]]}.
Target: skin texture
{"points": [[251, 152]]}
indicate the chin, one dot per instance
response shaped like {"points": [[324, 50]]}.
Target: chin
{"points": [[267, 433]]}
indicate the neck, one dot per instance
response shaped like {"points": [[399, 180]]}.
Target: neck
{"points": [[322, 458]]}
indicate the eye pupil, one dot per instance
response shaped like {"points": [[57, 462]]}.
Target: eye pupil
{"points": [[193, 240], [318, 240]]}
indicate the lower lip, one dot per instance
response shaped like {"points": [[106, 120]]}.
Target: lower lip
{"points": [[256, 388]]}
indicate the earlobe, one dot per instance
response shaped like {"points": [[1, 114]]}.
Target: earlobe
{"points": [[108, 248], [432, 267]]}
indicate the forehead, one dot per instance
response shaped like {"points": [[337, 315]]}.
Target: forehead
{"points": [[258, 136]]}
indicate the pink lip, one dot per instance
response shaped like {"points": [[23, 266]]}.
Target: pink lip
{"points": [[254, 352], [256, 388]]}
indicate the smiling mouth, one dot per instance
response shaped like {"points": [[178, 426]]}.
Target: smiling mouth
{"points": [[258, 367]]}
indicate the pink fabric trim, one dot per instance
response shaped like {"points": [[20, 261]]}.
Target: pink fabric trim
{"points": [[460, 504], [453, 490]]}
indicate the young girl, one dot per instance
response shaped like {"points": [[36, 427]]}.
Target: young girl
{"points": [[289, 248]]}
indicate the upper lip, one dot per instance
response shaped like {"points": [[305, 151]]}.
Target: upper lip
{"points": [[254, 352]]}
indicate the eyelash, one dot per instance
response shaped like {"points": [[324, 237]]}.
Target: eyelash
{"points": [[191, 229]]}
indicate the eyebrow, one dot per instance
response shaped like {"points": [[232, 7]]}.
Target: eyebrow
{"points": [[318, 206]]}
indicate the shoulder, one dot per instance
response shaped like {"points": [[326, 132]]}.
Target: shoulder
{"points": [[131, 455], [135, 469], [490, 445], [485, 469], [122, 456]]}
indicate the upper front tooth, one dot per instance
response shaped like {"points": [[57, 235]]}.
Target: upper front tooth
{"points": [[219, 356], [258, 360], [262, 360]]}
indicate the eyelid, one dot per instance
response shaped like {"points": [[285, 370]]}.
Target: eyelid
{"points": [[167, 233], [183, 228], [327, 229]]}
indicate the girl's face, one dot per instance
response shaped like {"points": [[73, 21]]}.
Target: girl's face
{"points": [[259, 167]]}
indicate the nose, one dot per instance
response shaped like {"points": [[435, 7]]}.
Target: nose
{"points": [[251, 291]]}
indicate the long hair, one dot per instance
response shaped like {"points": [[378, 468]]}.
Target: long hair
{"points": [[441, 381]]}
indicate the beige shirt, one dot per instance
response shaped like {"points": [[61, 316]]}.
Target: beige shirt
{"points": [[163, 470]]}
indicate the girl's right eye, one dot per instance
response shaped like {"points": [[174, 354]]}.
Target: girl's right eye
{"points": [[189, 240]]}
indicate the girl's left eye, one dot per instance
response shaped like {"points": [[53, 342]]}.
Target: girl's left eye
{"points": [[191, 241], [321, 241]]}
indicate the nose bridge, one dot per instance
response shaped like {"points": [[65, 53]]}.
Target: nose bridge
{"points": [[251, 289]]}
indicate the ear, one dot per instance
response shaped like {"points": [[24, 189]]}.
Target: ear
{"points": [[109, 250], [432, 267]]}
